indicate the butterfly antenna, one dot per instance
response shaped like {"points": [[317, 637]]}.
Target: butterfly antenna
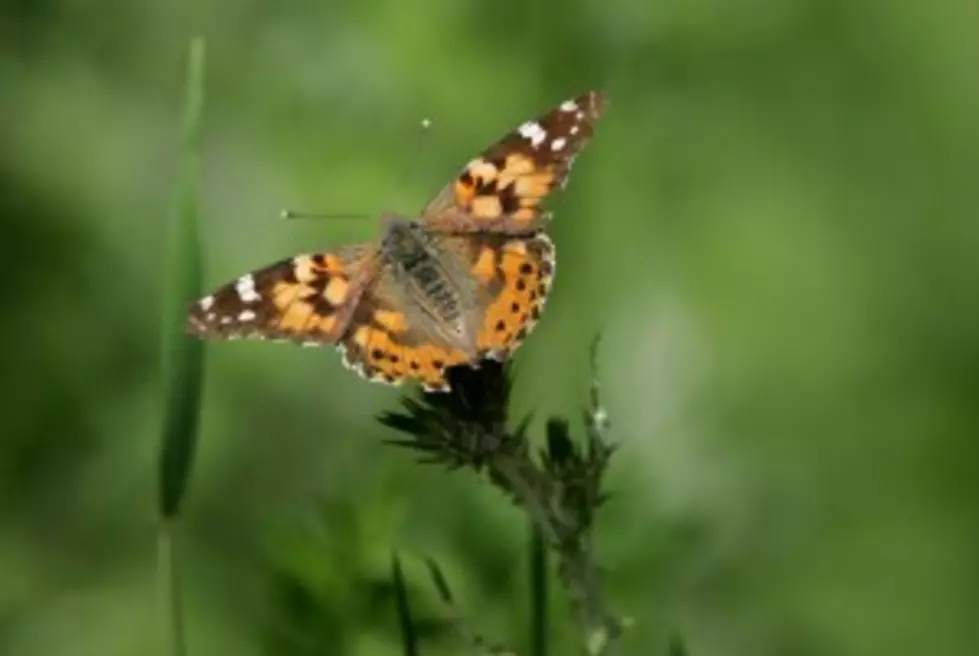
{"points": [[292, 214]]}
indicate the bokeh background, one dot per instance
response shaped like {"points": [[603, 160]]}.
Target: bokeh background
{"points": [[775, 228]]}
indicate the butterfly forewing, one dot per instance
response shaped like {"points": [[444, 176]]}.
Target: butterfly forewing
{"points": [[502, 189], [308, 299]]}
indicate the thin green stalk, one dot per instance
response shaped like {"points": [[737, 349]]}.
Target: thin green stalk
{"points": [[538, 592], [170, 585], [409, 638]]}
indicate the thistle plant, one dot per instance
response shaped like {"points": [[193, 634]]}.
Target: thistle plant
{"points": [[559, 486]]}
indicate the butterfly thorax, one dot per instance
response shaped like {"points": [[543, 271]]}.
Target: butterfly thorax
{"points": [[432, 286]]}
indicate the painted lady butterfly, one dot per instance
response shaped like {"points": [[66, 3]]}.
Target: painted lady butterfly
{"points": [[465, 280]]}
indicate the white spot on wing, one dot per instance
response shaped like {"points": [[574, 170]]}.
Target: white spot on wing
{"points": [[569, 106], [206, 303], [496, 354], [380, 378], [246, 315], [574, 130], [348, 363], [246, 289], [558, 144], [533, 131], [225, 320]]}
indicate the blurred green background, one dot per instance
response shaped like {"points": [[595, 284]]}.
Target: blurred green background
{"points": [[775, 227]]}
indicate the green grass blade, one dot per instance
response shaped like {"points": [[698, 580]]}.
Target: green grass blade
{"points": [[409, 639], [182, 355], [538, 592]]}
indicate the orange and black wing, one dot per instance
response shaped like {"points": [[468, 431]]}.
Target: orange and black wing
{"points": [[390, 340], [502, 189], [307, 299], [517, 273]]}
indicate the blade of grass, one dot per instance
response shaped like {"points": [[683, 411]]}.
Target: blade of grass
{"points": [[538, 592], [181, 355], [409, 639]]}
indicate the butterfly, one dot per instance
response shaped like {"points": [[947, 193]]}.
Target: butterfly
{"points": [[465, 280]]}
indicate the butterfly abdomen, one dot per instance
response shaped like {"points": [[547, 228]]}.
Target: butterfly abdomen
{"points": [[435, 287]]}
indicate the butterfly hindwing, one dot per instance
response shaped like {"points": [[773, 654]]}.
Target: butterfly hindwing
{"points": [[502, 188], [523, 271], [307, 299], [389, 340]]}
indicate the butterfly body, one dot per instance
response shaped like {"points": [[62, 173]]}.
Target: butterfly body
{"points": [[436, 288], [465, 280]]}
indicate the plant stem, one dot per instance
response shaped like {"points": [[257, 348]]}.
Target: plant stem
{"points": [[170, 585], [532, 489]]}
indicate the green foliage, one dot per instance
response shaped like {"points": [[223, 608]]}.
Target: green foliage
{"points": [[774, 229]]}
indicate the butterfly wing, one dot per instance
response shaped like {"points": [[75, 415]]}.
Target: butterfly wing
{"points": [[516, 273], [389, 340], [502, 189], [307, 299]]}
